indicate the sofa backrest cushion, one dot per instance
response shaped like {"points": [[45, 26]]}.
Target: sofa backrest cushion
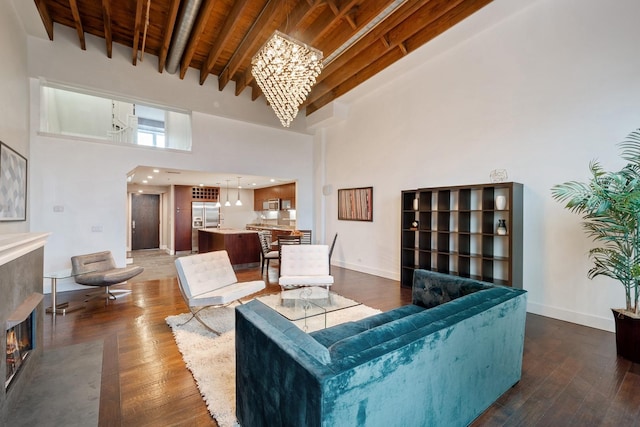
{"points": [[331, 335], [378, 339], [205, 272], [431, 288]]}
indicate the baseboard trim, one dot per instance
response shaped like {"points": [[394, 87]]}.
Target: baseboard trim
{"points": [[589, 320]]}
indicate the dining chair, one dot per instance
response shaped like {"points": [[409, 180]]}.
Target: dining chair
{"points": [[305, 239], [267, 253]]}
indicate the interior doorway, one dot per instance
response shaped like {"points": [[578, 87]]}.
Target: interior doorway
{"points": [[145, 221]]}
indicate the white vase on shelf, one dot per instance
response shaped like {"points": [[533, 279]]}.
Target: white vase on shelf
{"points": [[501, 203]]}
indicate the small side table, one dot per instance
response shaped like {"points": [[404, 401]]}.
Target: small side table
{"points": [[65, 307]]}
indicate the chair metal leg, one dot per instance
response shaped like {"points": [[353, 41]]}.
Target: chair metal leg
{"points": [[110, 294]]}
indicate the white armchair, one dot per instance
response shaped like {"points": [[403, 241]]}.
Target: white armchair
{"points": [[208, 279], [303, 266]]}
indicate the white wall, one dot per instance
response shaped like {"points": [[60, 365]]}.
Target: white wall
{"points": [[88, 179], [539, 92], [14, 102]]}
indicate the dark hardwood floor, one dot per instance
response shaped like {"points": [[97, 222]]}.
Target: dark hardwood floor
{"points": [[571, 375]]}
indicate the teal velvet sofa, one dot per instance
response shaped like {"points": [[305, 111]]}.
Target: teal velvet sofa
{"points": [[440, 361]]}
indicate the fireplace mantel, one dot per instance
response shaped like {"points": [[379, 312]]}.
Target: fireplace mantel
{"points": [[13, 246]]}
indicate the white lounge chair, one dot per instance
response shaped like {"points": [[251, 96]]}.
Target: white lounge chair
{"points": [[305, 266], [208, 280]]}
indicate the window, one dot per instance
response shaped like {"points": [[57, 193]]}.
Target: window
{"points": [[73, 113]]}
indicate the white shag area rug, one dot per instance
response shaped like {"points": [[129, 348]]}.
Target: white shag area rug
{"points": [[211, 358]]}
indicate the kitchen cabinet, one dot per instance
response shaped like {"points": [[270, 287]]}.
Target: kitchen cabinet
{"points": [[282, 192], [182, 217]]}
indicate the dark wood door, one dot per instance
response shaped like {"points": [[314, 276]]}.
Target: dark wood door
{"points": [[145, 221]]}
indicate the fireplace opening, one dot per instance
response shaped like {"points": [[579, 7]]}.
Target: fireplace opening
{"points": [[20, 343]]}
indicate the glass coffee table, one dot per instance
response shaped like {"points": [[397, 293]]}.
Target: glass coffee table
{"points": [[307, 307]]}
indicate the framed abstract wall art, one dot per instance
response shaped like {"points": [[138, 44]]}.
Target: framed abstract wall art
{"points": [[355, 204], [13, 185]]}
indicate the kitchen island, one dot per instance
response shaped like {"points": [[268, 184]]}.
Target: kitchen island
{"points": [[242, 246]]}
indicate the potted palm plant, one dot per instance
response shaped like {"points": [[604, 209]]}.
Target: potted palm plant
{"points": [[609, 203]]}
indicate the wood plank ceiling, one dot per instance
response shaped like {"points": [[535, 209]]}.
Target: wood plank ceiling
{"points": [[225, 34]]}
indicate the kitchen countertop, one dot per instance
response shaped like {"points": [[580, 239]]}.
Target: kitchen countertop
{"points": [[271, 227], [227, 230]]}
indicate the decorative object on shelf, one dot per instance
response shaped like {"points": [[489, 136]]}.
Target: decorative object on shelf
{"points": [[414, 225], [238, 202], [501, 203], [355, 204], [227, 203], [498, 175], [502, 227], [285, 70], [13, 185], [416, 204], [608, 204]]}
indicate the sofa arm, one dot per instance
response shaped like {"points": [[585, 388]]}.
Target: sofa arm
{"points": [[277, 365]]}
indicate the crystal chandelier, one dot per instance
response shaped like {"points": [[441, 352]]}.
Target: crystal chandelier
{"points": [[285, 69]]}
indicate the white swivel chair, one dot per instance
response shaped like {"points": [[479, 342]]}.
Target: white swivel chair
{"points": [[305, 266], [208, 280]]}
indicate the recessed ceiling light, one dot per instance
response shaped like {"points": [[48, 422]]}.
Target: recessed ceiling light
{"points": [[144, 181], [140, 191], [156, 171], [201, 185], [254, 184], [150, 177], [272, 180]]}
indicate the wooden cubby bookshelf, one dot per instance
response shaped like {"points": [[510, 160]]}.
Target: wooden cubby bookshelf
{"points": [[454, 230]]}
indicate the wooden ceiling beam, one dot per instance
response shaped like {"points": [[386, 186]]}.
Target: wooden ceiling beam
{"points": [[319, 29], [223, 38], [78, 23], [334, 8], [350, 17], [358, 56], [41, 5], [418, 39], [298, 15], [136, 34], [106, 17], [378, 65], [255, 91], [271, 17], [169, 27], [196, 33], [448, 20], [406, 13]]}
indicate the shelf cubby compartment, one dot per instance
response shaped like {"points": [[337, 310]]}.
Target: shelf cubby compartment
{"points": [[425, 241], [407, 200], [424, 259], [425, 221]]}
